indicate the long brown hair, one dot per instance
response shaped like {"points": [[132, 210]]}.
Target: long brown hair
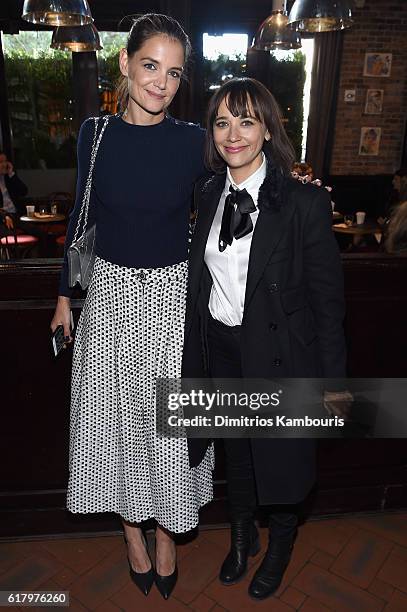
{"points": [[143, 28], [244, 96]]}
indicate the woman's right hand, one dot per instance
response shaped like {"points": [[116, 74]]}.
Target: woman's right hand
{"points": [[62, 316]]}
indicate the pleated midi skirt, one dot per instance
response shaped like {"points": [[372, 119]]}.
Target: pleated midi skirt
{"points": [[130, 332]]}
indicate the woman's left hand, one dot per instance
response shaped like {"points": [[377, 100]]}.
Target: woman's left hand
{"points": [[308, 179], [338, 403], [9, 222]]}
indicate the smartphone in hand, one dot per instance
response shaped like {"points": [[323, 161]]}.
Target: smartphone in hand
{"points": [[58, 339]]}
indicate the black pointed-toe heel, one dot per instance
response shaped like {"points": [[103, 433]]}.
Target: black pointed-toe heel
{"points": [[144, 580], [166, 584]]}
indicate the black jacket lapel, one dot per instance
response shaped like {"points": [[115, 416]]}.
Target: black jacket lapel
{"points": [[270, 227], [206, 202]]}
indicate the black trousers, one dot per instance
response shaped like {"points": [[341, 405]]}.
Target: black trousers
{"points": [[225, 362]]}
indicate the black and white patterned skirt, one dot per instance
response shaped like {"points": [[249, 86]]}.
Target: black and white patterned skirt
{"points": [[130, 332]]}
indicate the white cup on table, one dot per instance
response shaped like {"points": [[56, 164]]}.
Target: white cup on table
{"points": [[360, 218], [30, 210]]}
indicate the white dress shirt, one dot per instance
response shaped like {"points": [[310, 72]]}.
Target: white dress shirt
{"points": [[228, 268]]}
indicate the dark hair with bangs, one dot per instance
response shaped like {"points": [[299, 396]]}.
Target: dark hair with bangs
{"points": [[244, 96]]}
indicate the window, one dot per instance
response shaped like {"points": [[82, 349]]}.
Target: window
{"points": [[108, 66], [39, 82], [290, 83], [224, 58]]}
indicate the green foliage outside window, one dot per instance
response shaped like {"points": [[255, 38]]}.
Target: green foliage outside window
{"points": [[286, 83], [217, 71], [108, 66], [108, 57], [39, 83]]}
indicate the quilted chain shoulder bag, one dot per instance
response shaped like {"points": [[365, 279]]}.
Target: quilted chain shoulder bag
{"points": [[81, 252]]}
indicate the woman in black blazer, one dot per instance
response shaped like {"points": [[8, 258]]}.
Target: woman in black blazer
{"points": [[265, 300]]}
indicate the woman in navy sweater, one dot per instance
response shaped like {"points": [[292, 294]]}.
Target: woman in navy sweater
{"points": [[130, 330]]}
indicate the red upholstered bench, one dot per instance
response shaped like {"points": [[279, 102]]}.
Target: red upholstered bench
{"points": [[21, 243], [23, 239]]}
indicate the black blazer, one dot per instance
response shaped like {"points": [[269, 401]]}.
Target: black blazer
{"points": [[293, 313], [17, 189]]}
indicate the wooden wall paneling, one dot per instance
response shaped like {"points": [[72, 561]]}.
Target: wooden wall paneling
{"points": [[361, 192], [353, 475]]}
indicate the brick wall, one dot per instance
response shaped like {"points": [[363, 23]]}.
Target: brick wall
{"points": [[381, 26]]}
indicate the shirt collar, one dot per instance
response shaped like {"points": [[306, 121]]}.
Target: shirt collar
{"points": [[252, 184]]}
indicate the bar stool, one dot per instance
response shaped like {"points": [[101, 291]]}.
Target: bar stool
{"points": [[60, 242], [19, 245]]}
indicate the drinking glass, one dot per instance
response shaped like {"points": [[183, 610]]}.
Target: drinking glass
{"points": [[348, 220]]}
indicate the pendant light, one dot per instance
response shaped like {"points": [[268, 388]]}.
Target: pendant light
{"points": [[57, 12], [321, 15], [274, 33], [76, 39]]}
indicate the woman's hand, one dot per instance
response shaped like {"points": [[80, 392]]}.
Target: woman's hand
{"points": [[9, 222], [62, 316], [338, 403], [308, 179]]}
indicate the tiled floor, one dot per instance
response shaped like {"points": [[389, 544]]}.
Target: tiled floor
{"points": [[356, 564]]}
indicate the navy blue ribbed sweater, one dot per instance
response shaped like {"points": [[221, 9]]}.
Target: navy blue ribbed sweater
{"points": [[142, 188]]}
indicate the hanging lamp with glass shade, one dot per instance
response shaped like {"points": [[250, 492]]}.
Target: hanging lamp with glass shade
{"points": [[274, 33], [76, 39], [57, 12], [321, 15]]}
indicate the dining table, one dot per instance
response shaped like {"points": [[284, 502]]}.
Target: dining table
{"points": [[43, 218], [44, 226], [359, 230]]}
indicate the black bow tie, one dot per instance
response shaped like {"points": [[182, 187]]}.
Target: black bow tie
{"points": [[236, 221]]}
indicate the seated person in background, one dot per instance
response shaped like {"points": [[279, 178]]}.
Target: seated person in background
{"points": [[6, 224], [397, 195], [11, 189], [396, 239]]}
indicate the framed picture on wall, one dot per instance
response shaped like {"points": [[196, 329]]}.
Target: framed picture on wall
{"points": [[377, 64], [374, 101], [370, 140]]}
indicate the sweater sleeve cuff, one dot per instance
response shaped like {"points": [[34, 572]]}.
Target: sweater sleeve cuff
{"points": [[64, 288]]}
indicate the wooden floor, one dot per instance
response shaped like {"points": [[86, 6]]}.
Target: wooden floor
{"points": [[356, 564]]}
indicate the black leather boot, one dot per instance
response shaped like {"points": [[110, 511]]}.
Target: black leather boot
{"points": [[271, 570], [244, 543]]}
